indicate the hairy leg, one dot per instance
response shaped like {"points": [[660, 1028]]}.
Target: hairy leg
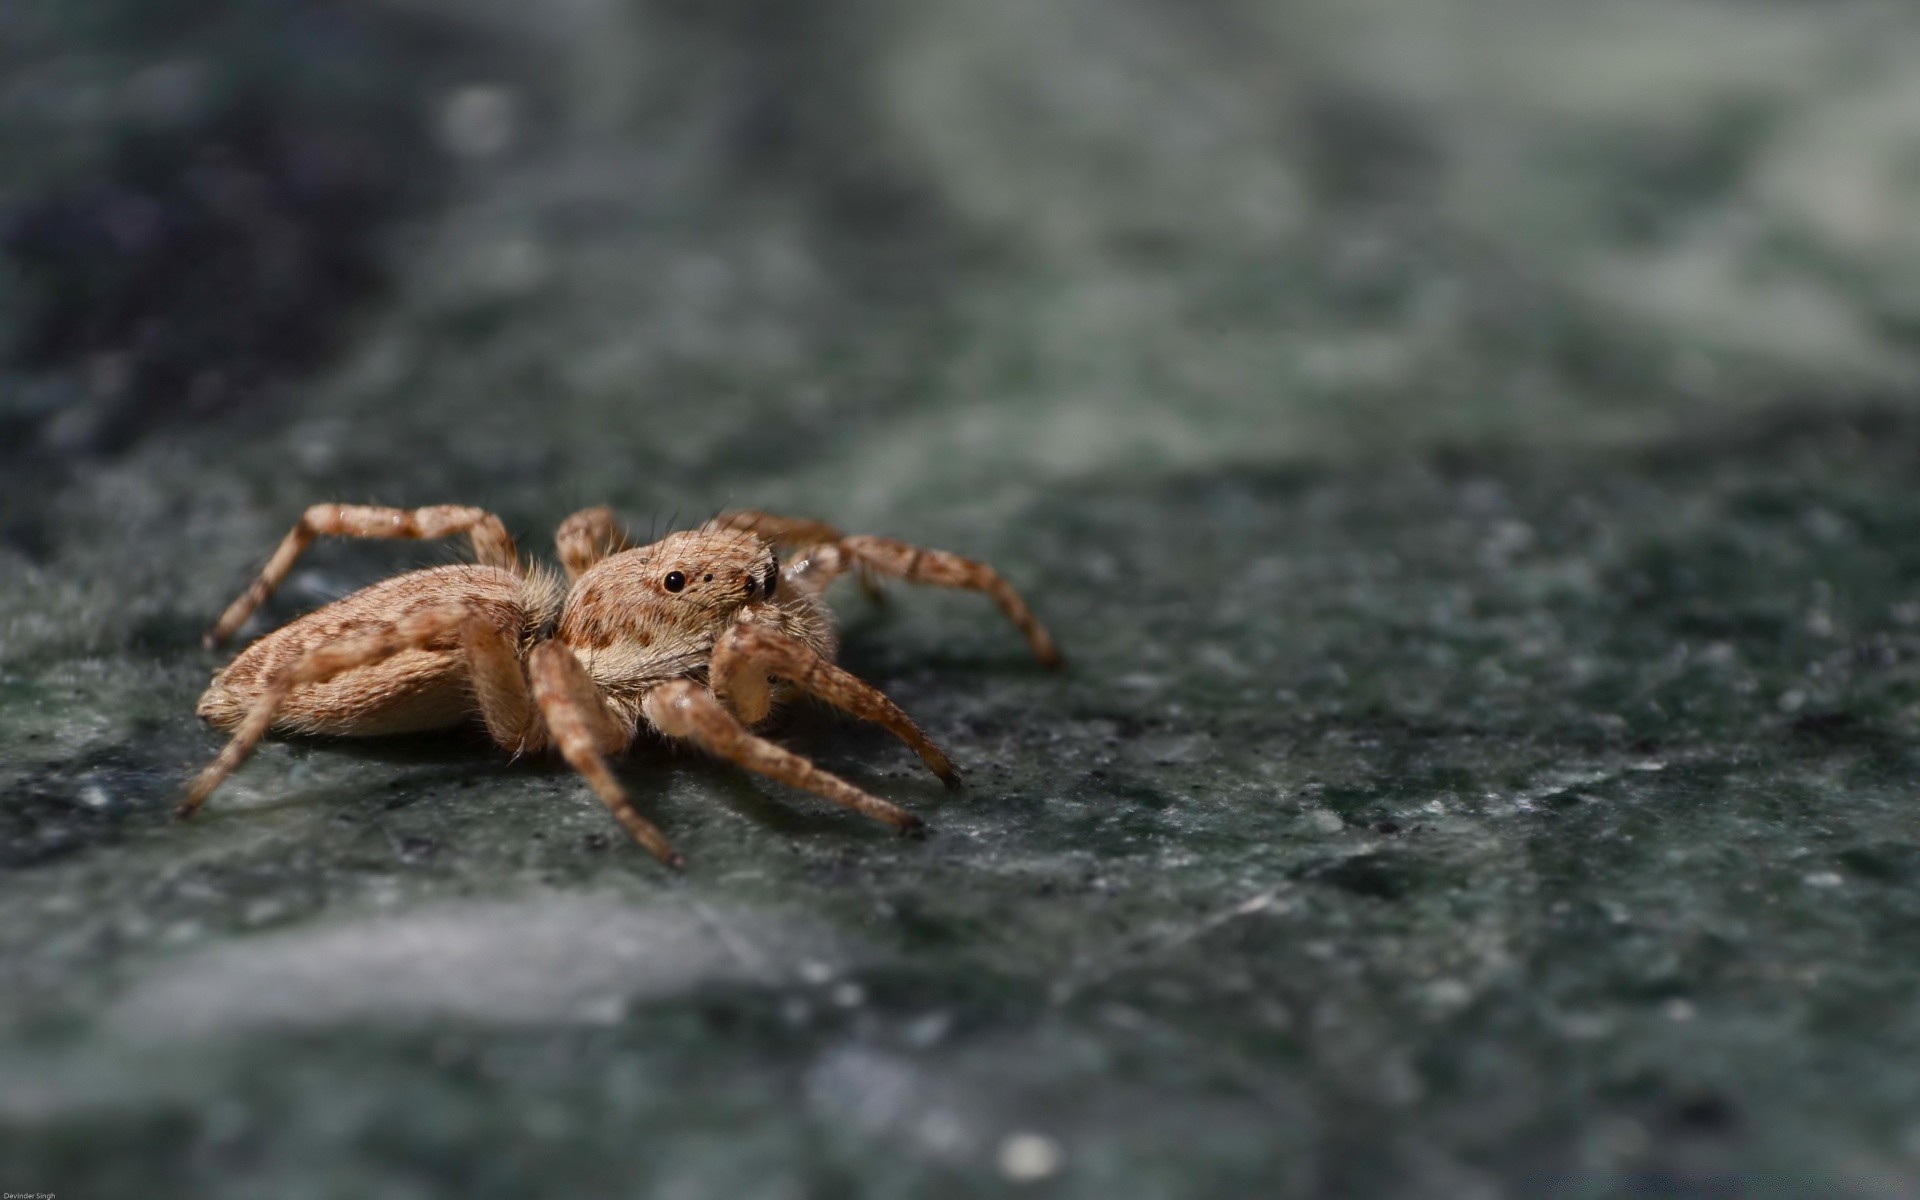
{"points": [[827, 554], [585, 732], [684, 709], [820, 565], [500, 686], [588, 536], [491, 545], [795, 533], [505, 703], [748, 651], [781, 531]]}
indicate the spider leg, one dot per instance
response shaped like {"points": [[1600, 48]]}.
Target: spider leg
{"points": [[781, 531], [796, 533], [819, 566], [748, 651], [588, 536], [585, 732], [683, 709], [491, 545], [503, 699], [826, 554]]}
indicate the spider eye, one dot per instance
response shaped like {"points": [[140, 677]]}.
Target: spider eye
{"points": [[773, 580], [674, 581]]}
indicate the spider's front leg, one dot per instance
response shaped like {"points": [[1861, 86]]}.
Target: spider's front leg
{"points": [[682, 708], [585, 733], [795, 533], [828, 555], [491, 545], [942, 568], [748, 652], [781, 531]]}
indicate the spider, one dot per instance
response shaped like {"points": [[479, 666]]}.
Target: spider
{"points": [[697, 636]]}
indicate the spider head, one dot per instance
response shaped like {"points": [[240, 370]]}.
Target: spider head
{"points": [[679, 588], [716, 571]]}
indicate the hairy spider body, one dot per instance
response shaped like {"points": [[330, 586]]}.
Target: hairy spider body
{"points": [[418, 688], [698, 636]]}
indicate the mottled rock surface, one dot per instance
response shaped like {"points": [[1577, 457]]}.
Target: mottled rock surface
{"points": [[1467, 449]]}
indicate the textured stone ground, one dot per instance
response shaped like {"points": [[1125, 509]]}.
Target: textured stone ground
{"points": [[1467, 450]]}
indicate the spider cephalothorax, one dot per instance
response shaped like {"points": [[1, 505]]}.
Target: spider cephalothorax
{"points": [[696, 636]]}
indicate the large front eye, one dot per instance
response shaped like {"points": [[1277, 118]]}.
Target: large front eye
{"points": [[674, 581]]}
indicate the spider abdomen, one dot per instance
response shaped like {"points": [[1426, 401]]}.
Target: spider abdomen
{"points": [[412, 691]]}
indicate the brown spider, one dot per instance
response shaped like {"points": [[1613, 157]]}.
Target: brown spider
{"points": [[697, 636]]}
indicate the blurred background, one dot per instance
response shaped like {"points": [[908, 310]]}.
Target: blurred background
{"points": [[1240, 231], [1465, 446]]}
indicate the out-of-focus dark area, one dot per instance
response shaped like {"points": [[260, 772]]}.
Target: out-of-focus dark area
{"points": [[1466, 448]]}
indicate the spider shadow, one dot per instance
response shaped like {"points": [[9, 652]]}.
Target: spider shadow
{"points": [[460, 757], [646, 769], [807, 730], [866, 651], [466, 756]]}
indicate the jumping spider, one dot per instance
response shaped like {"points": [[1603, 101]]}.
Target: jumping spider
{"points": [[697, 636]]}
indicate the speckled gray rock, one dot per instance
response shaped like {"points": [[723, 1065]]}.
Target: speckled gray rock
{"points": [[1466, 449]]}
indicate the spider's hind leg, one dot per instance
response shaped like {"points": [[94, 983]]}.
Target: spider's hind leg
{"points": [[588, 536], [491, 665], [492, 546]]}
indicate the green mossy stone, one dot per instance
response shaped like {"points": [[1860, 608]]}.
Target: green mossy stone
{"points": [[1466, 450]]}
